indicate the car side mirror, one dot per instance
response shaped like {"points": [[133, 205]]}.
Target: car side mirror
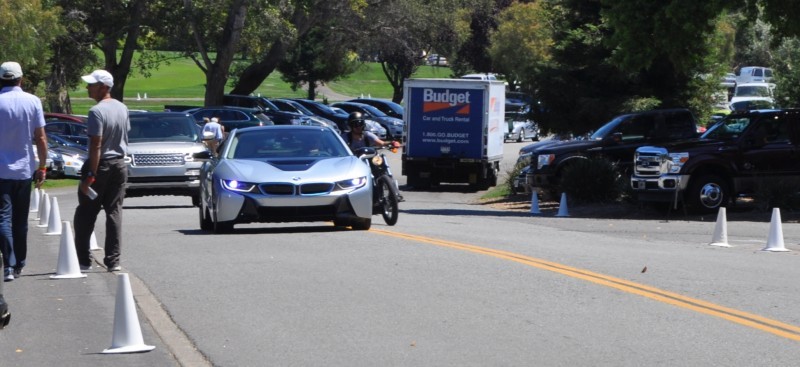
{"points": [[365, 152]]}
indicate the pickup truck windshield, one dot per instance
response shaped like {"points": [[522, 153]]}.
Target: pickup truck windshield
{"points": [[607, 129], [727, 129]]}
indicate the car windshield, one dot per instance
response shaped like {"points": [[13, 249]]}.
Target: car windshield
{"points": [[286, 143], [727, 129], [607, 129], [752, 91], [149, 128], [374, 111]]}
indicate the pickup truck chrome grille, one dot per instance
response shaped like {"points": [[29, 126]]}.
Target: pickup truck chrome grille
{"points": [[650, 162], [173, 159]]}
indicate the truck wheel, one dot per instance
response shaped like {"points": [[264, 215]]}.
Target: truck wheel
{"points": [[706, 194]]}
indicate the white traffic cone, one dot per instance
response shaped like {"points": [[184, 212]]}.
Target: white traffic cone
{"points": [[720, 237], [54, 220], [775, 240], [68, 266], [535, 203], [93, 243], [127, 332], [562, 207], [35, 201], [44, 211], [41, 206], [138, 97], [145, 96]]}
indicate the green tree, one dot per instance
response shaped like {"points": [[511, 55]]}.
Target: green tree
{"points": [[320, 56], [72, 54], [29, 28], [522, 43]]}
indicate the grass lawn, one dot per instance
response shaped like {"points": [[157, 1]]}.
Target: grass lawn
{"points": [[181, 82]]}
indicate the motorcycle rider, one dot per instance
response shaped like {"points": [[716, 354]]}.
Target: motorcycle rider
{"points": [[357, 137]]}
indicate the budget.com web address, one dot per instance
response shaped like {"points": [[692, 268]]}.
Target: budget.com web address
{"points": [[446, 141]]}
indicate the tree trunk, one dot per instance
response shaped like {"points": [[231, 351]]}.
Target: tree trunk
{"points": [[56, 95], [312, 90], [217, 73], [121, 70], [256, 73]]}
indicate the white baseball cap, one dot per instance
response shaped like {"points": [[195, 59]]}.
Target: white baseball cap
{"points": [[99, 76], [10, 70]]}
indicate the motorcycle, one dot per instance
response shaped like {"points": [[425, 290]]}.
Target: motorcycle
{"points": [[386, 194]]}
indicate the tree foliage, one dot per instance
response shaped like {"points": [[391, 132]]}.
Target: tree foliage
{"points": [[522, 43], [29, 28]]}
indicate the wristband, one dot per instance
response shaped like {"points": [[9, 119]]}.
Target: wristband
{"points": [[42, 166]]}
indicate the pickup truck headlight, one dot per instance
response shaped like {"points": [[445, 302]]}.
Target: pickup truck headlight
{"points": [[677, 161], [544, 160]]}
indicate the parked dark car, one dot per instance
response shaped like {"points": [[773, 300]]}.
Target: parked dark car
{"points": [[386, 106], [393, 126], [52, 116], [73, 131], [616, 141], [231, 117], [734, 157], [289, 105], [321, 109], [268, 108]]}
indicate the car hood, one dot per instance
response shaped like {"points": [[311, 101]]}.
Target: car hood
{"points": [[297, 170], [535, 147], [567, 146], [165, 147]]}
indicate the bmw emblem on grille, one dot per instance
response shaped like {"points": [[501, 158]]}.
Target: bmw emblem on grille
{"points": [[296, 178]]}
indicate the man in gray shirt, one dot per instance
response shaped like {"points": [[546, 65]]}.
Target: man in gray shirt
{"points": [[104, 174]]}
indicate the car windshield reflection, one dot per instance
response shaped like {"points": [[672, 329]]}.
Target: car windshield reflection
{"points": [[280, 143]]}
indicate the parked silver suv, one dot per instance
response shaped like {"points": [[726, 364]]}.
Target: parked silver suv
{"points": [[165, 152]]}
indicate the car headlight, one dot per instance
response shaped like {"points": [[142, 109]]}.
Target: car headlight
{"points": [[238, 186], [351, 184], [677, 161], [544, 160], [397, 123]]}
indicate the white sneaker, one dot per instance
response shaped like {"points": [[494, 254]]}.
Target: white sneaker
{"points": [[9, 275], [86, 267]]}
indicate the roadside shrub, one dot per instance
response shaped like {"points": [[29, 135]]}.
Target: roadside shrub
{"points": [[512, 174], [781, 193], [593, 180]]}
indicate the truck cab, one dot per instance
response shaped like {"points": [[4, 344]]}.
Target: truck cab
{"points": [[615, 141], [731, 159]]}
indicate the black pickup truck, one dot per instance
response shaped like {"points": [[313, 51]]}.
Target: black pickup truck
{"points": [[729, 160], [616, 141]]}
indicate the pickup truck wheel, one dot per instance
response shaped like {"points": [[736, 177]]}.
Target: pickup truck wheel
{"points": [[708, 193]]}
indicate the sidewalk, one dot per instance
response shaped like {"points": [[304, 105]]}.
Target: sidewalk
{"points": [[68, 322]]}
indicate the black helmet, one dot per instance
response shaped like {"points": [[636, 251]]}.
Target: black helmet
{"points": [[356, 119]]}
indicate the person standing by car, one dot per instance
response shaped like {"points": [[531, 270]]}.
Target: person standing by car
{"points": [[217, 130], [105, 172], [357, 137], [22, 122]]}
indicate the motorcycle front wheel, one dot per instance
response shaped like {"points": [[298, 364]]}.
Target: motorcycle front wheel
{"points": [[387, 201]]}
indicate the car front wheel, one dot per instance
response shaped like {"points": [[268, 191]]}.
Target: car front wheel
{"points": [[706, 194]]}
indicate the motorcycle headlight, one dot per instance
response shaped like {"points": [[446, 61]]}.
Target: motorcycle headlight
{"points": [[677, 160], [351, 184], [544, 160], [377, 160], [238, 186]]}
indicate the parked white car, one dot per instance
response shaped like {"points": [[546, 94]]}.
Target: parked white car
{"points": [[757, 93]]}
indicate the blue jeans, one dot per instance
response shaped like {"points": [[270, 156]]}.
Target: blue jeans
{"points": [[15, 203]]}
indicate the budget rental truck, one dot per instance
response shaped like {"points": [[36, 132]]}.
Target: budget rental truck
{"points": [[453, 132]]}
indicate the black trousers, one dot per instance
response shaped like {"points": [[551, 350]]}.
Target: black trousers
{"points": [[109, 184]]}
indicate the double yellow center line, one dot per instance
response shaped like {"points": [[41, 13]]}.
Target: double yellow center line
{"points": [[754, 321]]}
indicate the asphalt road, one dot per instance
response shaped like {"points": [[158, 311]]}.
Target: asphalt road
{"points": [[456, 283]]}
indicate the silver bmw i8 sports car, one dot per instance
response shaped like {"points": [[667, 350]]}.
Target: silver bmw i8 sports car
{"points": [[285, 173]]}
